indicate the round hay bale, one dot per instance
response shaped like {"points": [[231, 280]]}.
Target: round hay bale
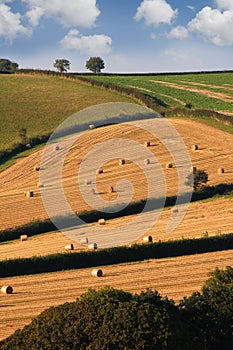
{"points": [[23, 238], [100, 171], [57, 148], [121, 162], [97, 273], [147, 239], [110, 189], [29, 194], [101, 222], [84, 240], [193, 169], [37, 168], [93, 246], [147, 143], [91, 126], [221, 171], [195, 147], [88, 182], [175, 210], [7, 289], [147, 161], [69, 247], [169, 165]]}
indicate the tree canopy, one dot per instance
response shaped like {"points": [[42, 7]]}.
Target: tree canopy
{"points": [[210, 313], [198, 179], [62, 65], [7, 66], [95, 64]]}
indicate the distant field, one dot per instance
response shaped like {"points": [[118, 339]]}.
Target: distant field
{"points": [[41, 103], [174, 277], [204, 91]]}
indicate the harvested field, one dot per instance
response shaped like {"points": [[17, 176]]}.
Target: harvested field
{"points": [[171, 277], [49, 243], [214, 217], [215, 151], [202, 218]]}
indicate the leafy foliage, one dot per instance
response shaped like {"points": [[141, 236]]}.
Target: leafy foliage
{"points": [[107, 319], [198, 179], [6, 66], [114, 319], [210, 313], [95, 64], [62, 65]]}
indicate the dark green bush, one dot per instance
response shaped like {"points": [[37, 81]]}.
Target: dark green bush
{"points": [[107, 319]]}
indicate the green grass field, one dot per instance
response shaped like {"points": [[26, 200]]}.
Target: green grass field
{"points": [[40, 103], [213, 91]]}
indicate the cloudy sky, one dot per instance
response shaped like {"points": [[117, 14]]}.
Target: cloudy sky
{"points": [[130, 35]]}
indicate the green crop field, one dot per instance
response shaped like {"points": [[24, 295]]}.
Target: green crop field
{"points": [[40, 103], [203, 91]]}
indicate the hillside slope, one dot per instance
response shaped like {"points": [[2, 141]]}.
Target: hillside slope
{"points": [[215, 151], [40, 103]]}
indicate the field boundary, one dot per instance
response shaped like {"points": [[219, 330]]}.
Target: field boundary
{"points": [[45, 226], [142, 98], [116, 255]]}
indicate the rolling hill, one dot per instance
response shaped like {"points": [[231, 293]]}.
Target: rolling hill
{"points": [[40, 103]]}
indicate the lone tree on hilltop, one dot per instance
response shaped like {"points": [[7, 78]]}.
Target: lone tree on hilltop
{"points": [[95, 64], [198, 179], [62, 65], [8, 66]]}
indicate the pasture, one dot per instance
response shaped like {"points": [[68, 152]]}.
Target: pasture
{"points": [[40, 103], [203, 91]]}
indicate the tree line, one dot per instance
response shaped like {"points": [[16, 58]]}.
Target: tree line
{"points": [[94, 64]]}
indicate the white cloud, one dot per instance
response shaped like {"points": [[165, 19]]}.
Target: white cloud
{"points": [[225, 4], [10, 23], [155, 12], [89, 45], [69, 13], [192, 8], [214, 25], [178, 32], [34, 15]]}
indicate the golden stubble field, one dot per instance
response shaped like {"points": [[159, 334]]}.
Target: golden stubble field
{"points": [[202, 218], [174, 277], [171, 277], [215, 151]]}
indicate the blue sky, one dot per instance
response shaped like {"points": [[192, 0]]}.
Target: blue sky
{"points": [[130, 35]]}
